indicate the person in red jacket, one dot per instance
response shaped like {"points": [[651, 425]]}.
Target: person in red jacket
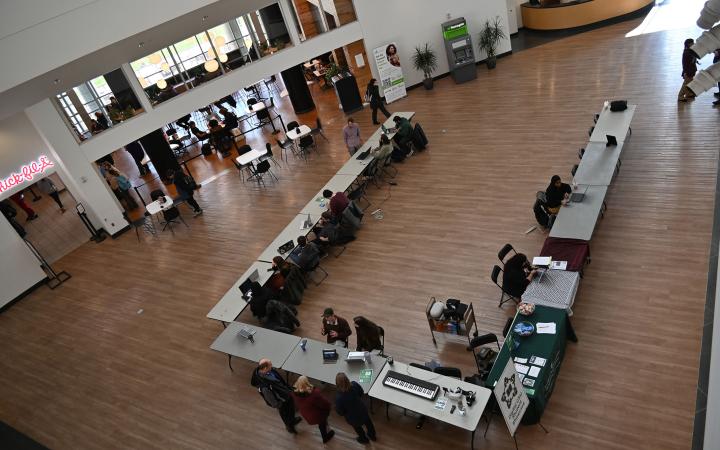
{"points": [[313, 407], [338, 202]]}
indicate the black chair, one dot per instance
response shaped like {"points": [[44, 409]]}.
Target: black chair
{"points": [[269, 155], [251, 101], [358, 194], [244, 149], [156, 194], [590, 131], [145, 224], [313, 269], [385, 166], [284, 147], [581, 153], [479, 341], [261, 170], [574, 169], [306, 143], [596, 118], [453, 372], [382, 341], [494, 277], [292, 125], [318, 129], [506, 328], [372, 172], [170, 215], [507, 248]]}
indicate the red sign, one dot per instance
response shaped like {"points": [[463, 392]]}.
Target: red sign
{"points": [[26, 173]]}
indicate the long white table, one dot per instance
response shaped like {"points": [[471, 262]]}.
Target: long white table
{"points": [[577, 220], [319, 204], [427, 407], [613, 123], [269, 344], [231, 305], [290, 232], [598, 164]]}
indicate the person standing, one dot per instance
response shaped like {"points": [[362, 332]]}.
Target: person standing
{"points": [[138, 154], [376, 101], [313, 407], [48, 187], [716, 59], [351, 136], [19, 200], [276, 392], [9, 212], [123, 185], [335, 328], [349, 404], [184, 187], [689, 66]]}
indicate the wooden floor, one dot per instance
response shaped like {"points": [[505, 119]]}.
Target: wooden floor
{"points": [[119, 358]]}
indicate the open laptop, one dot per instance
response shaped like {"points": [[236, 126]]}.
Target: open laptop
{"points": [[611, 140], [246, 286], [356, 356], [577, 197], [362, 155], [387, 130]]}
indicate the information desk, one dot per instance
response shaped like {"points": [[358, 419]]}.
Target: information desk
{"points": [[231, 305], [428, 407], [269, 344], [572, 14], [309, 362], [551, 347]]}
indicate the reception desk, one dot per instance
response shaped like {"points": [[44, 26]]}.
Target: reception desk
{"points": [[561, 15]]}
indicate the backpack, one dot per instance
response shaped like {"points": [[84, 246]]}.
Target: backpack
{"points": [[123, 183], [540, 215], [206, 149], [270, 397], [419, 139]]}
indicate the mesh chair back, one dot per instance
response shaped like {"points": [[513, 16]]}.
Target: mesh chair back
{"points": [[449, 372], [507, 248]]}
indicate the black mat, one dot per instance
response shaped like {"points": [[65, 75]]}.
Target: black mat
{"points": [[10, 438]]}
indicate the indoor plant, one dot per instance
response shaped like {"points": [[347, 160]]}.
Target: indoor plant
{"points": [[425, 60], [490, 36]]}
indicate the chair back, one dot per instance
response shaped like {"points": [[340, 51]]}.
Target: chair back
{"points": [[453, 372], [506, 328], [156, 194], [171, 214], [358, 192], [319, 125], [581, 153], [590, 131], [170, 131], [268, 148], [306, 141], [495, 274], [574, 169], [263, 166], [489, 338], [244, 149], [263, 114], [251, 101], [507, 248], [292, 125]]}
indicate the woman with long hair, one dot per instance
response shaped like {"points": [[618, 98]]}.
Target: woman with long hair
{"points": [[372, 93], [349, 404], [517, 274]]}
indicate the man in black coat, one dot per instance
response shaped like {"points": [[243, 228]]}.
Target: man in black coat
{"points": [[276, 392], [184, 188], [137, 153]]}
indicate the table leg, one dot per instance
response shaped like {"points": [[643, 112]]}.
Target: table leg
{"points": [[472, 440], [387, 410], [230, 363]]}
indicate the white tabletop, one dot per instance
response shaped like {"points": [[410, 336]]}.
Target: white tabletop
{"points": [[556, 290], [309, 362], [577, 220], [427, 407], [259, 106], [269, 344], [290, 232], [155, 207], [598, 164], [231, 305], [319, 204], [613, 123], [299, 132], [252, 155]]}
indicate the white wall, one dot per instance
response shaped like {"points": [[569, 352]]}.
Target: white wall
{"points": [[21, 270], [410, 23], [20, 144]]}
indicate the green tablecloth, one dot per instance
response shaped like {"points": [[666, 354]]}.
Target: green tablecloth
{"points": [[548, 346]]}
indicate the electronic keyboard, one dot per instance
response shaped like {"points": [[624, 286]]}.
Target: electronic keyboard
{"points": [[411, 385]]}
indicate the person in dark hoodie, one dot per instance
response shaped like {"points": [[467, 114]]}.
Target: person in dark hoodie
{"points": [[280, 317], [689, 69], [276, 393], [349, 404]]}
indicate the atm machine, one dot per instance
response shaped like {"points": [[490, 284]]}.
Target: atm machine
{"points": [[459, 49]]}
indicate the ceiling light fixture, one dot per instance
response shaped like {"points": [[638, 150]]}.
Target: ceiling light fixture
{"points": [[162, 84], [212, 65]]}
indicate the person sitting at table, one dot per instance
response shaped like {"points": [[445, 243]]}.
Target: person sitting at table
{"points": [[230, 119], [335, 328], [517, 274], [220, 137], [306, 255], [368, 335], [383, 150], [338, 202], [259, 299], [101, 120], [281, 270], [404, 133], [280, 317], [200, 134], [349, 404], [556, 194]]}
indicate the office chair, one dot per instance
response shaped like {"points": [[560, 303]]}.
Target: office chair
{"points": [[507, 248], [261, 169], [453, 372], [494, 277], [574, 169], [318, 129], [170, 215], [269, 155]]}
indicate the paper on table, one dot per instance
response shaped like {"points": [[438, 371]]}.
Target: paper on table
{"points": [[521, 360], [559, 265], [545, 328], [542, 261], [534, 372], [538, 361], [523, 369]]}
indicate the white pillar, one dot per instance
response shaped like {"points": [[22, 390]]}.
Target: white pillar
{"points": [[292, 23], [85, 181]]}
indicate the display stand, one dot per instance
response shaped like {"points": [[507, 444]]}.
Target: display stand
{"points": [[55, 279], [96, 236], [463, 327]]}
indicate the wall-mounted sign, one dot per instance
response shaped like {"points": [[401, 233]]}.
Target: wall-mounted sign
{"points": [[26, 173]]}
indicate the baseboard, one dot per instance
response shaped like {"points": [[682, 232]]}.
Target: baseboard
{"points": [[23, 295], [446, 74], [119, 233]]}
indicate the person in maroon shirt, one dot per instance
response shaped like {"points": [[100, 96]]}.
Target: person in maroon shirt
{"points": [[338, 202], [313, 407], [689, 66]]}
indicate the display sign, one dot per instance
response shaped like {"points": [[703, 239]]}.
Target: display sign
{"points": [[511, 396], [26, 173], [392, 82], [456, 30]]}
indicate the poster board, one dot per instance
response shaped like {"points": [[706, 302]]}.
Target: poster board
{"points": [[392, 81], [511, 396]]}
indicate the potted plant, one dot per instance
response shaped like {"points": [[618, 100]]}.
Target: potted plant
{"points": [[490, 36], [425, 60]]}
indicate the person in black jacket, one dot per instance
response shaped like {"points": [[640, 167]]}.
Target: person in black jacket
{"points": [[182, 184], [376, 101], [276, 392], [556, 193], [689, 69], [280, 317], [517, 274], [138, 154], [349, 404]]}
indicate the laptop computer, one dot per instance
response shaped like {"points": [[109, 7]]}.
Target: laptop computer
{"points": [[329, 355], [362, 155], [577, 197], [286, 247], [356, 356], [611, 140]]}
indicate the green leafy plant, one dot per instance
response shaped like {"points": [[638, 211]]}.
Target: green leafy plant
{"points": [[490, 36], [425, 60]]}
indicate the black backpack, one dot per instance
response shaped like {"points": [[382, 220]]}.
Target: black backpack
{"points": [[541, 216], [206, 149], [418, 138]]}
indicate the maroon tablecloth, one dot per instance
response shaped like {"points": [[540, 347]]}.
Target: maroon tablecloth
{"points": [[574, 251]]}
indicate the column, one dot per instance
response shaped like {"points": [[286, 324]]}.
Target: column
{"points": [[159, 152], [291, 23], [121, 89], [136, 87], [298, 90]]}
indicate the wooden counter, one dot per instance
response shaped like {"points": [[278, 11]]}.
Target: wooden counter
{"points": [[558, 16]]}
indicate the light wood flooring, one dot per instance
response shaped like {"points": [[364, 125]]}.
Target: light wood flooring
{"points": [[83, 368]]}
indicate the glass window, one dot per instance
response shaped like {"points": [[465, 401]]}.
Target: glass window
{"points": [[338, 12]]}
